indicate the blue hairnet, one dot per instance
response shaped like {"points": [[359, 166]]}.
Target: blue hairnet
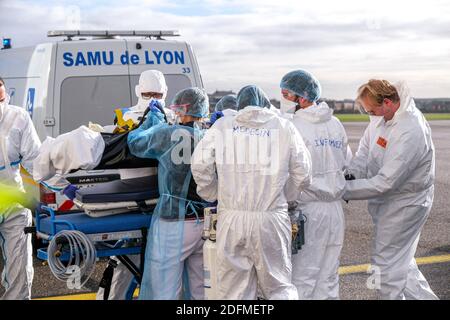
{"points": [[195, 99], [227, 102], [252, 96], [303, 84]]}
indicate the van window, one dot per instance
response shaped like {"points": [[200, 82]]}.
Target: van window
{"points": [[95, 98], [175, 82]]}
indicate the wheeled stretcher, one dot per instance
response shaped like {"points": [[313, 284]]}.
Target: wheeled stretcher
{"points": [[117, 235], [115, 219], [119, 196]]}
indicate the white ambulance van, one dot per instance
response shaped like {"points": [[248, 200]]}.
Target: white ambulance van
{"points": [[85, 77]]}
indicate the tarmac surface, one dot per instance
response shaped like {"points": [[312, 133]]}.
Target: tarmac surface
{"points": [[434, 241]]}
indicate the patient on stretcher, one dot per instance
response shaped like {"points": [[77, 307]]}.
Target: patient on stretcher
{"points": [[98, 148]]}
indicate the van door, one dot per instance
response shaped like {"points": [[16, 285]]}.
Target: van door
{"points": [[92, 82], [172, 58]]}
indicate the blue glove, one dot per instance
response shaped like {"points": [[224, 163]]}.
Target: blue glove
{"points": [[155, 106], [215, 116], [70, 191]]}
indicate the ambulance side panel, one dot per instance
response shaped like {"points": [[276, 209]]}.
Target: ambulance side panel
{"points": [[172, 58], [195, 67], [90, 83], [29, 74]]}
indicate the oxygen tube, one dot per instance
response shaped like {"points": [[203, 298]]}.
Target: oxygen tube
{"points": [[74, 263]]}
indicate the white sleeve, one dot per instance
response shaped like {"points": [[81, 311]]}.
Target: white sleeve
{"points": [[203, 167], [29, 145], [43, 168], [400, 160], [300, 167], [348, 154]]}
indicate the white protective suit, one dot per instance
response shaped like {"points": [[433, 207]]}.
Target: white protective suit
{"points": [[315, 267], [395, 168], [244, 163], [58, 156], [149, 81], [19, 144]]}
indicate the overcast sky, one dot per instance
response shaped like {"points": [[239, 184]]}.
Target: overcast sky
{"points": [[344, 43]]}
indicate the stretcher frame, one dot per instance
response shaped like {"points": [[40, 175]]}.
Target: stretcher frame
{"points": [[101, 242]]}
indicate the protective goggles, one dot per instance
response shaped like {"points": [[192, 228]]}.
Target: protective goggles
{"points": [[288, 94], [180, 108], [150, 95]]}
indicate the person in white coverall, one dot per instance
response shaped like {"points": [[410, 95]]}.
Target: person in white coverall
{"points": [[394, 169], [244, 162], [315, 267], [151, 86], [19, 145]]}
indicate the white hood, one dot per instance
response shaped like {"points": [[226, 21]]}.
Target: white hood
{"points": [[149, 81], [406, 101], [316, 113], [254, 116]]}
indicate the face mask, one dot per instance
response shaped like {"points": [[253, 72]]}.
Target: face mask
{"points": [[144, 102], [161, 102], [287, 106]]}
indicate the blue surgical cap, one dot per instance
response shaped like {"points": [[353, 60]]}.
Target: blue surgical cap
{"points": [[196, 101], [252, 96], [303, 84], [227, 102]]}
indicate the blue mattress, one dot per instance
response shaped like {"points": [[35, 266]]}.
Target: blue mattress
{"points": [[82, 222], [138, 189]]}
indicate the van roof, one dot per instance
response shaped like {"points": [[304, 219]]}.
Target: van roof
{"points": [[157, 34]]}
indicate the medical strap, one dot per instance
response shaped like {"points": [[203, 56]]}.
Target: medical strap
{"points": [[190, 204], [106, 280], [144, 207]]}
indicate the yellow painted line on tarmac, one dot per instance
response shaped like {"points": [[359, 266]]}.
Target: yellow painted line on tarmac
{"points": [[344, 270], [82, 296], [363, 268], [433, 259]]}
